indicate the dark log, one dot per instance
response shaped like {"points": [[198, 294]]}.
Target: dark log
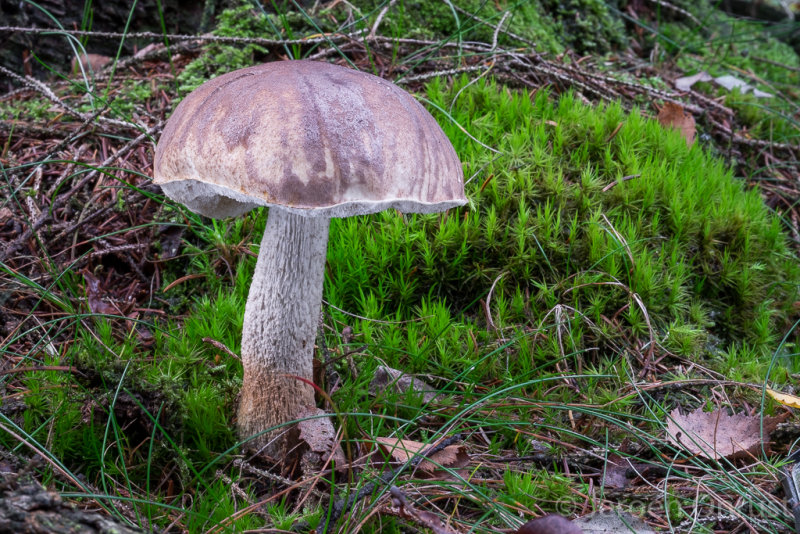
{"points": [[25, 53], [28, 508], [755, 9]]}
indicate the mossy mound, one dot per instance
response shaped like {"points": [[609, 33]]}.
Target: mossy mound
{"points": [[580, 25], [602, 213]]}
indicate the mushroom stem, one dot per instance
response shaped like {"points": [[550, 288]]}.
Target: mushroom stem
{"points": [[280, 325]]}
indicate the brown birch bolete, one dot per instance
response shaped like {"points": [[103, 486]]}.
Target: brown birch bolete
{"points": [[311, 141]]}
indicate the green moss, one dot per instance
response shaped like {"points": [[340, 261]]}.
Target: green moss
{"points": [[243, 21], [725, 45], [538, 489], [587, 25], [553, 219], [584, 25], [29, 109], [124, 101], [249, 20], [731, 43], [216, 507]]}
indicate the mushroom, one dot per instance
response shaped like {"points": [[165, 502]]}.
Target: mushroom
{"points": [[311, 141]]}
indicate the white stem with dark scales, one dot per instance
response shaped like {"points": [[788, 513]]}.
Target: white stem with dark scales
{"points": [[280, 326]]}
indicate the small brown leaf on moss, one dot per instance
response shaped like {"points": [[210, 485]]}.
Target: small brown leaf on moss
{"points": [[672, 115]]}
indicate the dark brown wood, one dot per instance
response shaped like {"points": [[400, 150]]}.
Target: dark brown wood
{"points": [[28, 508], [25, 53]]}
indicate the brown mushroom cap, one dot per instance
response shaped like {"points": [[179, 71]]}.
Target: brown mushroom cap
{"points": [[314, 138]]}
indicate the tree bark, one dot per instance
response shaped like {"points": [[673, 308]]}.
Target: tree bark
{"points": [[22, 52], [28, 508]]}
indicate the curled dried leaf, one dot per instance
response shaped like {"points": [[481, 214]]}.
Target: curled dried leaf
{"points": [[785, 399], [402, 450], [615, 474], [406, 510], [94, 295], [686, 82], [673, 115]]}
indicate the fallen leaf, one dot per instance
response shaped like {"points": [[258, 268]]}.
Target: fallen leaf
{"points": [[672, 115], [5, 214], [620, 471], [613, 522], [615, 474], [147, 49], [386, 378], [402, 450], [623, 473], [550, 524], [7, 468], [686, 83], [145, 336], [95, 297], [94, 61], [732, 82], [716, 434], [783, 398], [728, 82]]}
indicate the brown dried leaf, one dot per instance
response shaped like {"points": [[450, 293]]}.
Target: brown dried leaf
{"points": [[152, 47], [5, 214], [716, 434], [673, 115], [686, 83], [620, 471], [402, 450], [615, 474], [95, 297], [433, 522], [94, 61]]}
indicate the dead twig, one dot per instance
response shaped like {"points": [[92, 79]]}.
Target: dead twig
{"points": [[45, 91], [15, 245]]}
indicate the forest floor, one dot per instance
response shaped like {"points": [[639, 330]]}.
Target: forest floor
{"points": [[624, 276]]}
